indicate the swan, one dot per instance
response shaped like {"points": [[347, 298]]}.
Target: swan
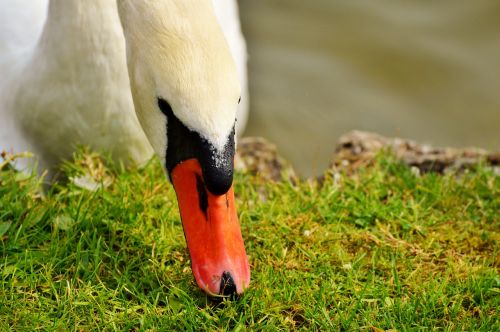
{"points": [[132, 77], [56, 55]]}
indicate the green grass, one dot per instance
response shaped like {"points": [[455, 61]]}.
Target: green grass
{"points": [[381, 249]]}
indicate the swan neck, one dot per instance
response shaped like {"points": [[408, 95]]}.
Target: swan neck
{"points": [[72, 10], [76, 21]]}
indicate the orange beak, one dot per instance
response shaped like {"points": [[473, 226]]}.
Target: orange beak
{"points": [[218, 258]]}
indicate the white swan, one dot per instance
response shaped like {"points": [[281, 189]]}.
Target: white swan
{"points": [[71, 87], [64, 81]]}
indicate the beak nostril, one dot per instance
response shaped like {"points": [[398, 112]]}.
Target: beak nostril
{"points": [[227, 284], [202, 195]]}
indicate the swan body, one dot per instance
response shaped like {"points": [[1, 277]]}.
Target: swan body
{"points": [[65, 80], [98, 63], [73, 89]]}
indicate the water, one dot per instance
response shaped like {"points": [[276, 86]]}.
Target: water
{"points": [[426, 70]]}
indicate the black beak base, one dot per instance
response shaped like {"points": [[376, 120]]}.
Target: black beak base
{"points": [[183, 144]]}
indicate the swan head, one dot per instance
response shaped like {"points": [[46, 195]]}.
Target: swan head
{"points": [[186, 92]]}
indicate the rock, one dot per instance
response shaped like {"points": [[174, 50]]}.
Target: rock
{"points": [[259, 157], [359, 148]]}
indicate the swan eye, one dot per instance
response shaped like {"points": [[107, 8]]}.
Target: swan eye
{"points": [[165, 107], [239, 100]]}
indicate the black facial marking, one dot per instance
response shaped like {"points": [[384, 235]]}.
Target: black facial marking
{"points": [[184, 144], [217, 168], [202, 195], [227, 285]]}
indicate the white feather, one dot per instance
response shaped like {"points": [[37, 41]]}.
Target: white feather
{"points": [[228, 15]]}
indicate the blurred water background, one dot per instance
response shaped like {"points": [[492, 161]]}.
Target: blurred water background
{"points": [[426, 70]]}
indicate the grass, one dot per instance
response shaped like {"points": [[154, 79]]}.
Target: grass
{"points": [[379, 250]]}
